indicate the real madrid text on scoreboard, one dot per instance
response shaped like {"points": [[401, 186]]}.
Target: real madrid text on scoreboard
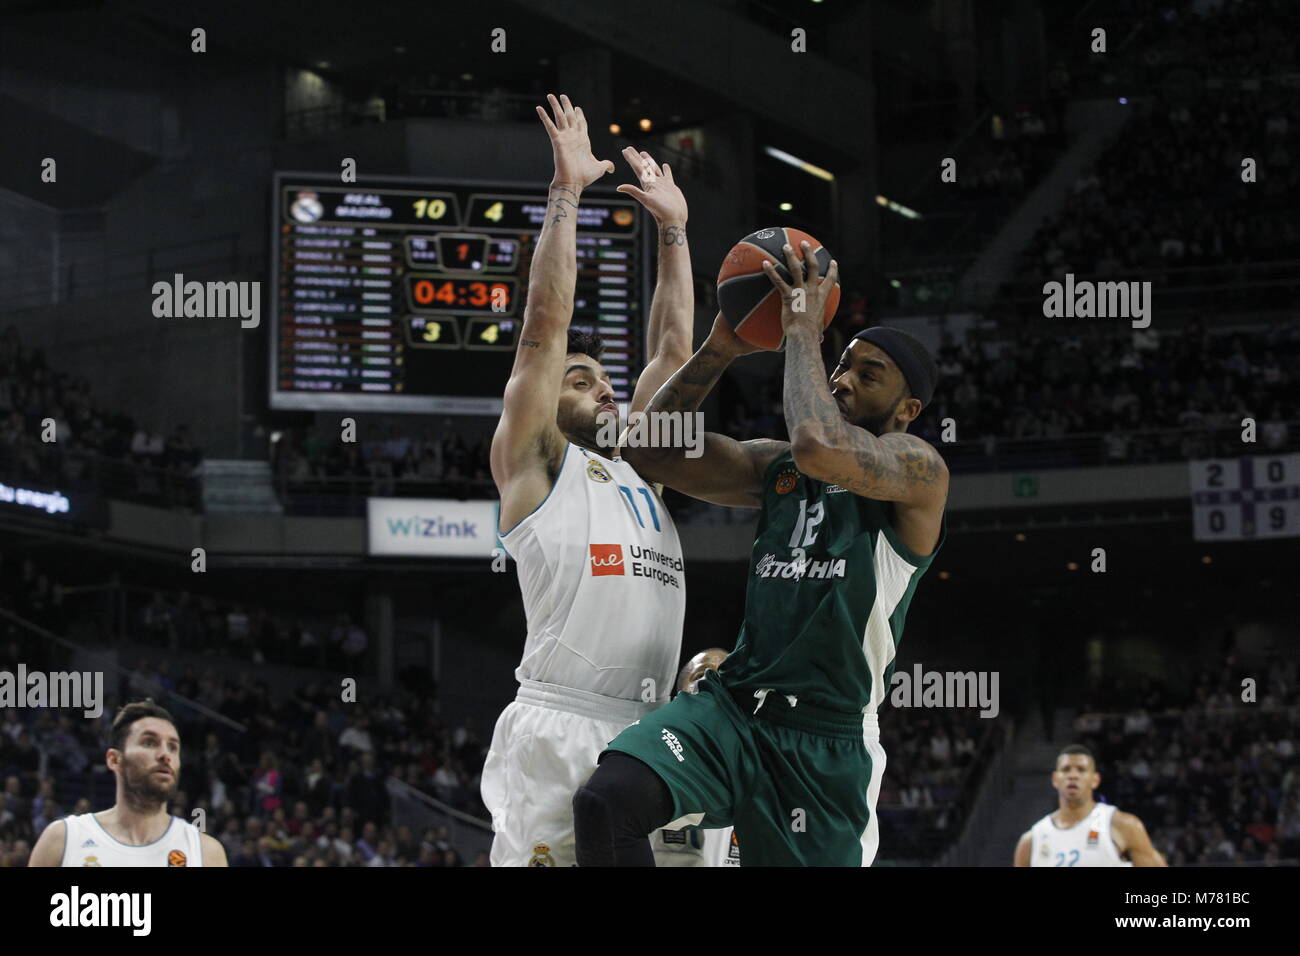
{"points": [[397, 295]]}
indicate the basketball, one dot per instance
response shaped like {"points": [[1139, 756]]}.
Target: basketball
{"points": [[747, 298]]}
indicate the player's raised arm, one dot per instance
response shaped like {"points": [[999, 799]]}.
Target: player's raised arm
{"points": [[527, 441], [726, 472], [1134, 841], [672, 310], [895, 466]]}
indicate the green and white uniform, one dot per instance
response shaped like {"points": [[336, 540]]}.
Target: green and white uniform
{"points": [[783, 743]]}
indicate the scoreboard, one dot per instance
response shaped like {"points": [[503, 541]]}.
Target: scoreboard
{"points": [[1242, 499], [397, 295]]}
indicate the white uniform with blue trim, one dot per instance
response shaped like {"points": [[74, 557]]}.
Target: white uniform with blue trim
{"points": [[604, 590], [1087, 843], [87, 843]]}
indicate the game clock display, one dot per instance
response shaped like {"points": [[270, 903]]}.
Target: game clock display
{"points": [[397, 295]]}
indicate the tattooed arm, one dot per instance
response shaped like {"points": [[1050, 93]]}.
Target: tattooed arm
{"points": [[726, 472], [672, 310], [895, 467], [528, 446]]}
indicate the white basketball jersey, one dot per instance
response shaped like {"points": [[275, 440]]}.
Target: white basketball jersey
{"points": [[692, 846], [603, 582], [1087, 843], [88, 844]]}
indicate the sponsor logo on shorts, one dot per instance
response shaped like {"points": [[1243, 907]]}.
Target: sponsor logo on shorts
{"points": [[177, 858], [769, 567], [597, 472], [673, 743], [541, 855], [606, 559]]}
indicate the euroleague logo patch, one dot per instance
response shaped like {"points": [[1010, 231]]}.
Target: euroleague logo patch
{"points": [[786, 480], [177, 858], [606, 559]]}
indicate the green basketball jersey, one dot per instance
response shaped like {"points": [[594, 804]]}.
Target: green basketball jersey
{"points": [[823, 626]]}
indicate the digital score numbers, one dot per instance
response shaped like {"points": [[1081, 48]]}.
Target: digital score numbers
{"points": [[389, 296]]}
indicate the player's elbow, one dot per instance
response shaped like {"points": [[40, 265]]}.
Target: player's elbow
{"points": [[812, 450]]}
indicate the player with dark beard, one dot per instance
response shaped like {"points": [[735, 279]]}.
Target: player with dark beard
{"points": [[137, 830]]}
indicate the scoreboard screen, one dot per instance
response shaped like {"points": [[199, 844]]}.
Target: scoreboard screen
{"points": [[399, 295]]}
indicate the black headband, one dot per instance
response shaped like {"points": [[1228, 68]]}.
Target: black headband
{"points": [[910, 357]]}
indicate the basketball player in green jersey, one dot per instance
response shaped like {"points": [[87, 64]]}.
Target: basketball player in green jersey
{"points": [[782, 741]]}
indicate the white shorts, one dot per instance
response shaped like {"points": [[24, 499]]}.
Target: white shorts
{"points": [[544, 747]]}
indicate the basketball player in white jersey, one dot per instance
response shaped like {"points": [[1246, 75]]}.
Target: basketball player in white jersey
{"points": [[599, 563], [1083, 832], [137, 830], [695, 846]]}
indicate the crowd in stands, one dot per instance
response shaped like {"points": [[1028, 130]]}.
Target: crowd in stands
{"points": [[1123, 384], [933, 773], [243, 631], [85, 434], [1215, 779], [382, 461], [1169, 192], [305, 783]]}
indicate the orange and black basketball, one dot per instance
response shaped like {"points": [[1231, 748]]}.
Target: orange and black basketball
{"points": [[746, 296]]}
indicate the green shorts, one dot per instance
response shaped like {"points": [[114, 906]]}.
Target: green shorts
{"points": [[798, 784]]}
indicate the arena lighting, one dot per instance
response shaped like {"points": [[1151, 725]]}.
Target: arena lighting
{"points": [[615, 128], [902, 210], [276, 436], [644, 124], [894, 283], [944, 575], [1020, 536], [798, 163], [1072, 566], [1206, 559], [785, 207], [323, 65]]}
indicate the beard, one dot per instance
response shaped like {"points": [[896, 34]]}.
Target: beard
{"points": [[142, 788], [587, 429]]}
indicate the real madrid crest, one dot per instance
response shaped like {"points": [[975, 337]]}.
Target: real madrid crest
{"points": [[786, 480], [597, 472], [92, 861], [542, 852]]}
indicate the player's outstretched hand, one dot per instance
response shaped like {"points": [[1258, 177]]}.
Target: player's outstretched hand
{"points": [[570, 145], [661, 196], [803, 299]]}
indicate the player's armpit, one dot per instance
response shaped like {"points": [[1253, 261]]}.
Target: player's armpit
{"points": [[49, 848], [727, 472], [214, 854], [1134, 841], [1026, 843], [894, 467]]}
